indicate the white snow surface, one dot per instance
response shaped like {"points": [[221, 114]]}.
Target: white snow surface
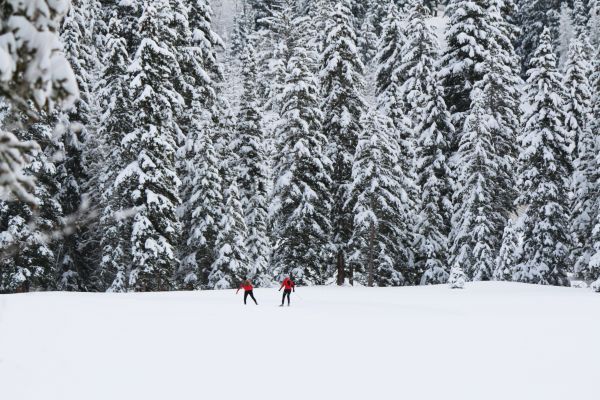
{"points": [[488, 341]]}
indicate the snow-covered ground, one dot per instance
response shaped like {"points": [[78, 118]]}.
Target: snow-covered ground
{"points": [[488, 341]]}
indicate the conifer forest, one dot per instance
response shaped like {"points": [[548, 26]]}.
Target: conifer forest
{"points": [[163, 145]]}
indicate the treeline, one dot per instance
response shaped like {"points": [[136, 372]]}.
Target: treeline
{"points": [[335, 141]]}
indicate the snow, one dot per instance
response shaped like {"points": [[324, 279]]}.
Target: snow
{"points": [[499, 340]]}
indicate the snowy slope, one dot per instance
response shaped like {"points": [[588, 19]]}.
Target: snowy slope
{"points": [[489, 341]]}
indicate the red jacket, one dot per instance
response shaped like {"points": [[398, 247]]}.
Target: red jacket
{"points": [[246, 288], [287, 284]]}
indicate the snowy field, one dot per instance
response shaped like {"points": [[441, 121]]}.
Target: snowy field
{"points": [[489, 341]]}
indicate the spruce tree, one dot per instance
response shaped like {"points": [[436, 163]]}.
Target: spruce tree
{"points": [[252, 174], [150, 176], [231, 262], [535, 16], [201, 212], [544, 174], [382, 240], [477, 222], [470, 35], [343, 106], [302, 174], [433, 178], [577, 109], [116, 122], [508, 256]]}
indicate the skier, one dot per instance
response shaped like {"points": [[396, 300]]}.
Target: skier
{"points": [[288, 286], [247, 286]]}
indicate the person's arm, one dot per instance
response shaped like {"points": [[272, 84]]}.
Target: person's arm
{"points": [[294, 287], [280, 287]]}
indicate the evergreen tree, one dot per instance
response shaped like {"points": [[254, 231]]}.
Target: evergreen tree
{"points": [[343, 106], [34, 74], [252, 175], [470, 35], [381, 240], [537, 15], [594, 24], [301, 197], [577, 109], [231, 264], [150, 176], [477, 222], [424, 100], [508, 255], [201, 212], [433, 178], [29, 259], [115, 99], [544, 174], [457, 278]]}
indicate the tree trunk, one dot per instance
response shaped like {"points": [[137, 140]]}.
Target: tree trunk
{"points": [[341, 273], [370, 262]]}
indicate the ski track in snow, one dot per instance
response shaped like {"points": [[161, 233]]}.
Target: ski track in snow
{"points": [[489, 341]]}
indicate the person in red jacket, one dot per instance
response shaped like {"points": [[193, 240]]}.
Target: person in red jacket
{"points": [[288, 287], [247, 286]]}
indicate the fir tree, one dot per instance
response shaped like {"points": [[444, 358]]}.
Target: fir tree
{"points": [[341, 85], [537, 15], [508, 256], [150, 175], [577, 109], [301, 199], [381, 239], [544, 176], [202, 210], [252, 175], [115, 123], [457, 278], [231, 264], [477, 222], [433, 177]]}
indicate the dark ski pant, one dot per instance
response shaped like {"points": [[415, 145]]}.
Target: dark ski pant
{"points": [[286, 292], [251, 294]]}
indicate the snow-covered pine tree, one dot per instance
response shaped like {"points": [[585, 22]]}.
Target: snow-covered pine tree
{"points": [[382, 240], [302, 173], [417, 57], [113, 231], [252, 172], [470, 35], [343, 106], [544, 174], [587, 266], [389, 59], [581, 16], [578, 108], [368, 39], [150, 177], [535, 16], [508, 256], [434, 180], [29, 258], [457, 278], [477, 222], [231, 262], [31, 28], [422, 96], [202, 210], [77, 144], [503, 84]]}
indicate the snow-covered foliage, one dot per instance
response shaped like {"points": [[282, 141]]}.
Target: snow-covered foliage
{"points": [[342, 85], [382, 241], [301, 204], [544, 174], [457, 278], [321, 139]]}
